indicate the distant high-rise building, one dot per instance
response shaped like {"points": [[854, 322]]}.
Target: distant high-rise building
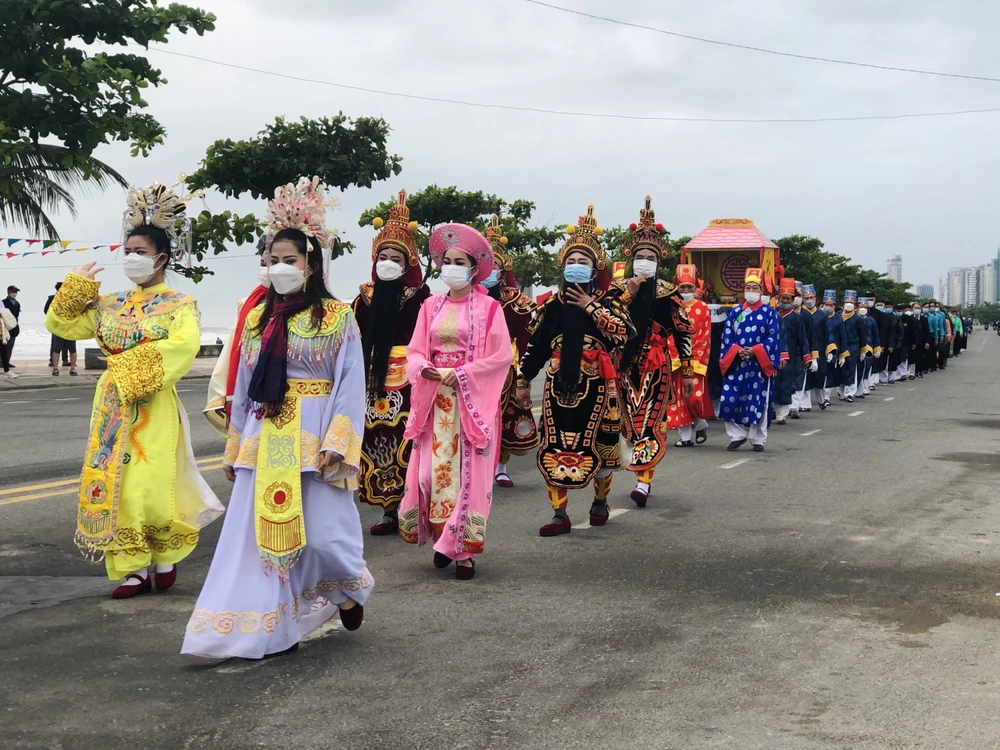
{"points": [[971, 293], [988, 283], [895, 268], [925, 290]]}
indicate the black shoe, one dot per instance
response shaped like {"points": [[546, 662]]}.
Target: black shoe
{"points": [[701, 436], [758, 448], [850, 399], [780, 421], [824, 405], [735, 445], [684, 444], [795, 415]]}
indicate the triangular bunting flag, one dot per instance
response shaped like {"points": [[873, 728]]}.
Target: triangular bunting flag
{"points": [[49, 243], [66, 243], [27, 254], [32, 242], [46, 252], [81, 249], [64, 251], [10, 242], [113, 248], [12, 255]]}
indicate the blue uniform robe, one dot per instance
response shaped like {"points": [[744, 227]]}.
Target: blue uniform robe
{"points": [[747, 383], [852, 336], [794, 342], [870, 348], [820, 343], [835, 327]]}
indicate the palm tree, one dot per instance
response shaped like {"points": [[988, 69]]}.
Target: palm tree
{"points": [[37, 182]]}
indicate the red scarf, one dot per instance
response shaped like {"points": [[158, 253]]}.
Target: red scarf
{"points": [[270, 375]]}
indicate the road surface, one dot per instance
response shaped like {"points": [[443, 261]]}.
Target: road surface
{"points": [[837, 591]]}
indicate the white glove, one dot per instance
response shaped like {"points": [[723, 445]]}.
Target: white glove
{"points": [[829, 357], [840, 362], [814, 366]]}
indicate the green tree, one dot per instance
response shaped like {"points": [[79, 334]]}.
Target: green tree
{"points": [[34, 183], [51, 88], [527, 245], [342, 152], [805, 260]]}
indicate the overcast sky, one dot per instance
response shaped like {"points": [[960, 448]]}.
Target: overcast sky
{"points": [[924, 188]]}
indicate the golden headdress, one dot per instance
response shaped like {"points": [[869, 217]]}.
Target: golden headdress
{"points": [[584, 237], [647, 233], [498, 242], [397, 232], [160, 206]]}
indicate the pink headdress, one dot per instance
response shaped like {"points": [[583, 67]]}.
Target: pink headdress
{"points": [[303, 206], [469, 241]]}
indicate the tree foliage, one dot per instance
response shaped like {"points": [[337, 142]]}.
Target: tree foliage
{"points": [[50, 87], [805, 260], [341, 151], [988, 313], [534, 261]]}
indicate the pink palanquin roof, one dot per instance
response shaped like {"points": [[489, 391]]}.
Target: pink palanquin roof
{"points": [[730, 234]]}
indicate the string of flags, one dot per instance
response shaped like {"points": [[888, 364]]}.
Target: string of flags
{"points": [[48, 247]]}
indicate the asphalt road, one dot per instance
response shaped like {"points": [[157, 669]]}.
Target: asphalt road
{"points": [[838, 591]]}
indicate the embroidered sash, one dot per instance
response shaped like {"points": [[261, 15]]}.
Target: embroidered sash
{"points": [[100, 482], [280, 525]]}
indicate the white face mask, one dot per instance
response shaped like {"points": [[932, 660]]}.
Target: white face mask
{"points": [[907, 312], [797, 302], [644, 268], [687, 296], [456, 277], [752, 297], [388, 270], [766, 299], [863, 311], [810, 303], [848, 307], [263, 278], [139, 268], [287, 279]]}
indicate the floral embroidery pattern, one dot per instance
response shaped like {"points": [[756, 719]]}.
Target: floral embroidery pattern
{"points": [[138, 373], [76, 294], [281, 451], [341, 438]]}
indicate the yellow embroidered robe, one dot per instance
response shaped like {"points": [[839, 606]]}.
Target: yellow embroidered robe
{"points": [[142, 499]]}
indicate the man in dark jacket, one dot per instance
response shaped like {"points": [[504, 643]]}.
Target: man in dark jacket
{"points": [[911, 339], [11, 303], [884, 321]]}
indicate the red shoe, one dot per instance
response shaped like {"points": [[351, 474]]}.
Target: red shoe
{"points": [[639, 497], [133, 585], [352, 618], [165, 580], [503, 480], [465, 572], [388, 525], [597, 519], [558, 525]]}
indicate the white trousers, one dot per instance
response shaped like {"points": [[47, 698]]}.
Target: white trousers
{"points": [[756, 433], [883, 377], [781, 411], [903, 371], [822, 395], [687, 431], [911, 369], [851, 389]]}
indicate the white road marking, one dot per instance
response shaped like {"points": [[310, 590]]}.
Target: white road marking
{"points": [[613, 513], [11, 403], [982, 345], [183, 390], [71, 398], [855, 414], [811, 432], [911, 389], [891, 398], [734, 464]]}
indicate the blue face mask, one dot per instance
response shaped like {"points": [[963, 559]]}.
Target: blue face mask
{"points": [[784, 305], [577, 273], [492, 280]]}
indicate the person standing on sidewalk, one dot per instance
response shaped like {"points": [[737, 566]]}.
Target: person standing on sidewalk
{"points": [[142, 501], [11, 303], [60, 347], [7, 324]]}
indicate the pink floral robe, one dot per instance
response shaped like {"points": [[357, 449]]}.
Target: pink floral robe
{"points": [[455, 431]]}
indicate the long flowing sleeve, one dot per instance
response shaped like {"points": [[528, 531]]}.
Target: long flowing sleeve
{"points": [[480, 382], [345, 407], [539, 349], [730, 344], [72, 314], [805, 340], [215, 405], [418, 358], [768, 352], [153, 366], [611, 317]]}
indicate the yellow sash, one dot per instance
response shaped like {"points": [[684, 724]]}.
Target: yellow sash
{"points": [[97, 514], [281, 530]]}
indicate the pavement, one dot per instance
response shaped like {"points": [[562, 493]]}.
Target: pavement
{"points": [[38, 375], [839, 591]]}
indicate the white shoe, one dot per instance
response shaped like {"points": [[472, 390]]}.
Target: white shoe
{"points": [[10, 375]]}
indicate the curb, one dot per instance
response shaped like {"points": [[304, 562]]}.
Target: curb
{"points": [[77, 383]]}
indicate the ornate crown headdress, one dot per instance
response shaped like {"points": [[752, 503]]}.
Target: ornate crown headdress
{"points": [[494, 233], [647, 233], [584, 237], [397, 232], [301, 206], [160, 206]]}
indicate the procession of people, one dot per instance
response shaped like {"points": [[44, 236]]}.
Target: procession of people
{"points": [[419, 402]]}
